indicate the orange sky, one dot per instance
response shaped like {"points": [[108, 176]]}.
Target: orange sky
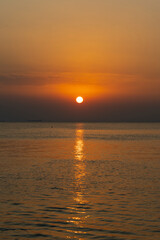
{"points": [[100, 49]]}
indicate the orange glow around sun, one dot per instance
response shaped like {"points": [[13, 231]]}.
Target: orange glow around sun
{"points": [[79, 99]]}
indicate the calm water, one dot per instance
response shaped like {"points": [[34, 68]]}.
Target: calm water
{"points": [[80, 181]]}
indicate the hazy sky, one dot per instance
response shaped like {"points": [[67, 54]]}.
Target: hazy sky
{"points": [[108, 51]]}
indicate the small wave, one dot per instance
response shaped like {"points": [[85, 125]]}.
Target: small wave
{"points": [[36, 235]]}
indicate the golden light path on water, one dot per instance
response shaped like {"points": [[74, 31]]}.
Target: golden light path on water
{"points": [[80, 172]]}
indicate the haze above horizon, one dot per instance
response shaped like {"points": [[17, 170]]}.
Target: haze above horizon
{"points": [[105, 51]]}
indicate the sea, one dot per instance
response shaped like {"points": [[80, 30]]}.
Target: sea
{"points": [[79, 181]]}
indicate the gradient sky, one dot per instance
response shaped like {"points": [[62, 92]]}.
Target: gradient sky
{"points": [[108, 51]]}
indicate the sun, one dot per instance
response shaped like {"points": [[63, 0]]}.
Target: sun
{"points": [[79, 99]]}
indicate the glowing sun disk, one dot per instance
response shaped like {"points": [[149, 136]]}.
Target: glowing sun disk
{"points": [[79, 99]]}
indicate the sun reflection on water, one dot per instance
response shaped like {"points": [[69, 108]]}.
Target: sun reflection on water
{"points": [[80, 217], [79, 145], [79, 165]]}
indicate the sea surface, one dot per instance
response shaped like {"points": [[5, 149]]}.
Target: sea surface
{"points": [[80, 181]]}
